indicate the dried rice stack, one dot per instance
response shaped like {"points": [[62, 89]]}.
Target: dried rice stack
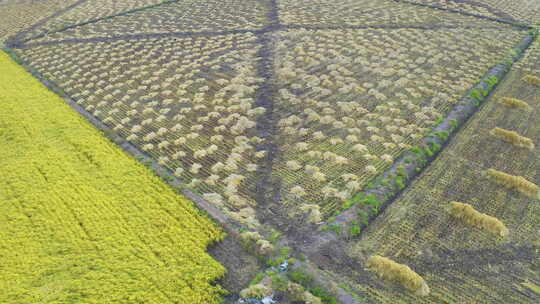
{"points": [[513, 138], [515, 182], [532, 79], [467, 213], [515, 103], [390, 270]]}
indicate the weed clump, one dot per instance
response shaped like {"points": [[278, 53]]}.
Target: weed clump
{"points": [[390, 270], [313, 211], [531, 79], [299, 294], [514, 103], [514, 182], [513, 138], [257, 291], [472, 217], [255, 241]]}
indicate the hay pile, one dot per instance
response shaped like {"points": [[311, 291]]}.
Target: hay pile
{"points": [[513, 138], [390, 270], [518, 183], [468, 214]]}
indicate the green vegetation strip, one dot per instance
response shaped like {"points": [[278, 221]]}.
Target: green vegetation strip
{"points": [[83, 222], [356, 214]]}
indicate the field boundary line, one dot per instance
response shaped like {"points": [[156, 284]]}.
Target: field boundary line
{"points": [[272, 28], [514, 23], [494, 11], [19, 35], [388, 27], [264, 190], [16, 42], [141, 36]]}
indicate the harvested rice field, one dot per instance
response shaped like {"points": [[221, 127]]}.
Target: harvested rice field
{"points": [[462, 263], [349, 151]]}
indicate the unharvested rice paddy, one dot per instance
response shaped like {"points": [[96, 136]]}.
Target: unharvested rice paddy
{"points": [[82, 222]]}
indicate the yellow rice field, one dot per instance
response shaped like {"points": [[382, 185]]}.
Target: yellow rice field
{"points": [[81, 221]]}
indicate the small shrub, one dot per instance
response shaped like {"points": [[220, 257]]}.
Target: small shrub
{"points": [[250, 236], [492, 81], [374, 210], [363, 217], [257, 279], [314, 294], [264, 247], [428, 152], [467, 213], [335, 228], [454, 124], [301, 277], [324, 295], [477, 95], [355, 230], [257, 291], [309, 298], [370, 200], [295, 291], [313, 213], [279, 282], [434, 147], [400, 182], [418, 151], [443, 135], [274, 237], [254, 241], [390, 270]]}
